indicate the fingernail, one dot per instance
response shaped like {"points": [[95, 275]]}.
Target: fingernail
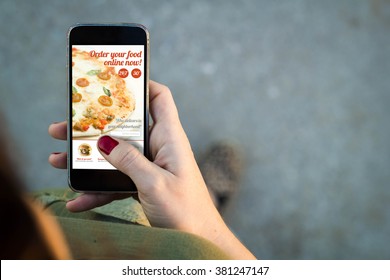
{"points": [[106, 144]]}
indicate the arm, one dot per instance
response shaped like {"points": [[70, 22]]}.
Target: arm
{"points": [[171, 189]]}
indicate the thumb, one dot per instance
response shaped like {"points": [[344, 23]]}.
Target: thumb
{"points": [[126, 158]]}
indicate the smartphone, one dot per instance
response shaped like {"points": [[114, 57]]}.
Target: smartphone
{"points": [[108, 79]]}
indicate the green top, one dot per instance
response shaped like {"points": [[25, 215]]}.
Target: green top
{"points": [[120, 230]]}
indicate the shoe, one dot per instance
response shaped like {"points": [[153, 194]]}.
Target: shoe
{"points": [[221, 168]]}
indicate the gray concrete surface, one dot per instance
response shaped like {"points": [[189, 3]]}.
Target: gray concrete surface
{"points": [[302, 86]]}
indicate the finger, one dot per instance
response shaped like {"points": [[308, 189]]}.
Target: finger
{"points": [[86, 202], [128, 159], [167, 123], [165, 115], [58, 130], [58, 160], [162, 105]]}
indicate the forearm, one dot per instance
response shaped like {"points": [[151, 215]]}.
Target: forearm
{"points": [[230, 244], [215, 230]]}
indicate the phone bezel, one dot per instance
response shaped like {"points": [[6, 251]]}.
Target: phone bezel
{"points": [[97, 180]]}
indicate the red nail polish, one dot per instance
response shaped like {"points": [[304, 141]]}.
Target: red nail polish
{"points": [[106, 144]]}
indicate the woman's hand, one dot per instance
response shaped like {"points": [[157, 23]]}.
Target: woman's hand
{"points": [[171, 189]]}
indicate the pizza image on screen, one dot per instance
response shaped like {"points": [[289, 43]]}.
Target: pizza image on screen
{"points": [[101, 100]]}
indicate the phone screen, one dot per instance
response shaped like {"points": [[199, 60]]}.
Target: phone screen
{"points": [[108, 96], [107, 99]]}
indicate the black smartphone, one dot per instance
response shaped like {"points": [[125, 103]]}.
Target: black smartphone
{"points": [[108, 81]]}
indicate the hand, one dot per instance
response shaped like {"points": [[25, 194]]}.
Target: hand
{"points": [[171, 189]]}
